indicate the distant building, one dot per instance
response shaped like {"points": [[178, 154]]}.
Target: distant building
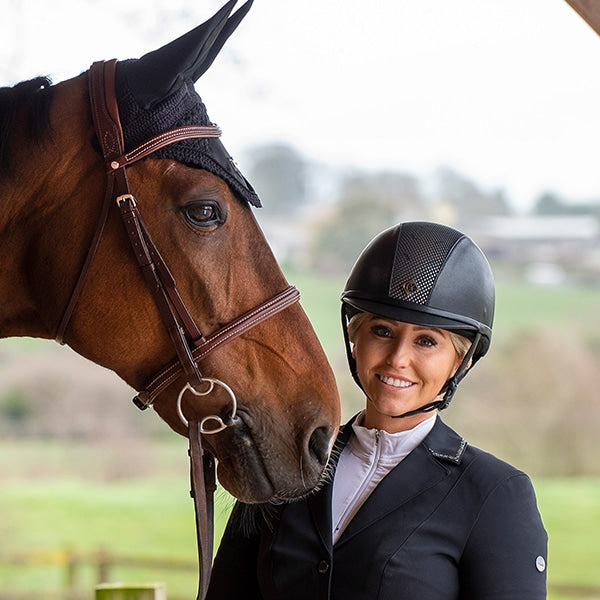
{"points": [[548, 249]]}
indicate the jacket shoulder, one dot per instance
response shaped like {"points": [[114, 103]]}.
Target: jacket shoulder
{"points": [[448, 446]]}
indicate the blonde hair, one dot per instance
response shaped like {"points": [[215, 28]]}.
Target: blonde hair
{"points": [[354, 324]]}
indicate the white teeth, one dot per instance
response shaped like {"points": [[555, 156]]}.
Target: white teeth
{"points": [[400, 383]]}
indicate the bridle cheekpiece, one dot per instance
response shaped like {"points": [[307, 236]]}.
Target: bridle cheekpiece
{"points": [[190, 344]]}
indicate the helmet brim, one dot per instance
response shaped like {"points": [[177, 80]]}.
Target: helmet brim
{"points": [[425, 316]]}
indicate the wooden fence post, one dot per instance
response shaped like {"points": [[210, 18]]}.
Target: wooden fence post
{"points": [[71, 561], [102, 564], [120, 591]]}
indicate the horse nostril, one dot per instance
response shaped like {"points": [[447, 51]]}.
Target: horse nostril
{"points": [[318, 445]]}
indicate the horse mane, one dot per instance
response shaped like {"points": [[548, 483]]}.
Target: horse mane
{"points": [[247, 520], [35, 96]]}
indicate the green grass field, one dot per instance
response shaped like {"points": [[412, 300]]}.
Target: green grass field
{"points": [[153, 518], [53, 509], [53, 499]]}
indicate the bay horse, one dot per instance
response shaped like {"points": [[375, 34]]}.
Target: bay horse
{"points": [[127, 233]]}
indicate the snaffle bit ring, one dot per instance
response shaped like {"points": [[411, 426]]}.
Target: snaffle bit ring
{"points": [[220, 424]]}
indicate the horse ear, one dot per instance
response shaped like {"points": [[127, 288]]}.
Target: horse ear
{"points": [[156, 74]]}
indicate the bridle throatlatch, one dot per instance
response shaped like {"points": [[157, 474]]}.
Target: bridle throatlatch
{"points": [[190, 344]]}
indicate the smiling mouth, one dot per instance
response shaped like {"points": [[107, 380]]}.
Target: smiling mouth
{"points": [[395, 382]]}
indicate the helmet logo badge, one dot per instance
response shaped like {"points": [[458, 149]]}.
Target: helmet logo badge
{"points": [[410, 287]]}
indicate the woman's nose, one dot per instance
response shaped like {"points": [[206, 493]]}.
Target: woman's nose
{"points": [[399, 354]]}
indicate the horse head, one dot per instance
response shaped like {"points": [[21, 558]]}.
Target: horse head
{"points": [[275, 390]]}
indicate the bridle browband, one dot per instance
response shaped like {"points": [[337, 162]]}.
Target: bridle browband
{"points": [[190, 344]]}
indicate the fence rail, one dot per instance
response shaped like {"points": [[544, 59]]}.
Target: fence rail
{"points": [[103, 563], [71, 563]]}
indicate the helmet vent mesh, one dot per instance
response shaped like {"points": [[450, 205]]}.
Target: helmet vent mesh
{"points": [[420, 255]]}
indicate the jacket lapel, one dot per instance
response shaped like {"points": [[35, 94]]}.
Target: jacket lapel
{"points": [[425, 467]]}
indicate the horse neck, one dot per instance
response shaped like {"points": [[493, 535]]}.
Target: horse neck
{"points": [[47, 181]]}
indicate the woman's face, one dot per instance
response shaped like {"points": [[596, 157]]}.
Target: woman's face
{"points": [[401, 367]]}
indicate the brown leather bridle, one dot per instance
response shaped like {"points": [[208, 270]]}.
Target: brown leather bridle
{"points": [[190, 344]]}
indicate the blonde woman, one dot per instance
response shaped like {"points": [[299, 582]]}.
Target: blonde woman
{"points": [[412, 512]]}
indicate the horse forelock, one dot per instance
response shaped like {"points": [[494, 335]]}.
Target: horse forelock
{"points": [[182, 106], [35, 96]]}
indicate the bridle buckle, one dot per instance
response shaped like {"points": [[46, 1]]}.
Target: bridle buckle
{"points": [[124, 198]]}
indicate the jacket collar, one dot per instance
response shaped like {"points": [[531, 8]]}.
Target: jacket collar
{"points": [[442, 441]]}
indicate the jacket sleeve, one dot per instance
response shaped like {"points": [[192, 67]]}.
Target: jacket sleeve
{"points": [[234, 573], [506, 553]]}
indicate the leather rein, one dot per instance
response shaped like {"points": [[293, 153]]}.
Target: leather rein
{"points": [[190, 344]]}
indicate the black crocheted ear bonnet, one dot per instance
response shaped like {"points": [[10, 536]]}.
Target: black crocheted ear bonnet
{"points": [[155, 93], [183, 107]]}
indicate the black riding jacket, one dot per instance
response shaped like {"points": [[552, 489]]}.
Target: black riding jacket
{"points": [[449, 522]]}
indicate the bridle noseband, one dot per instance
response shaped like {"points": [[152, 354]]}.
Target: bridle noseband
{"points": [[190, 344]]}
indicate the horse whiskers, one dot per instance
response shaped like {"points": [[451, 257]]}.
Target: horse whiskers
{"points": [[248, 519], [302, 471], [328, 471], [326, 478]]}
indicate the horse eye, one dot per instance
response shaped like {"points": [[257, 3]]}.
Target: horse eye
{"points": [[205, 214]]}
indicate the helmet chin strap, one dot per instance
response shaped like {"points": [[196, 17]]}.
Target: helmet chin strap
{"points": [[450, 387]]}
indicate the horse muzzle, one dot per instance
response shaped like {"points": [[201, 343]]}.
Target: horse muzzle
{"points": [[257, 465]]}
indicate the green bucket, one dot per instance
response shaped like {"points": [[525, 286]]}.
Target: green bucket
{"points": [[120, 591]]}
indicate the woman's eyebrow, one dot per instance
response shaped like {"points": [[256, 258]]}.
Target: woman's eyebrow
{"points": [[426, 328], [438, 330]]}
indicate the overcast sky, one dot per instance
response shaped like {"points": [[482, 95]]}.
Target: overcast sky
{"points": [[506, 92]]}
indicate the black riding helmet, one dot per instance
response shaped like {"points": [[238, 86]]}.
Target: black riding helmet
{"points": [[425, 274]]}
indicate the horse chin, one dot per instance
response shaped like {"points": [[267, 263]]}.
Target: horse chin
{"points": [[251, 488], [241, 469]]}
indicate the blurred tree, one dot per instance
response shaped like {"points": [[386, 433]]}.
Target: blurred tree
{"points": [[15, 408], [279, 175], [549, 203], [469, 201], [368, 204]]}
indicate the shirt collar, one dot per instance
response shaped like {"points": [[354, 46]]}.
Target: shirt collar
{"points": [[391, 445]]}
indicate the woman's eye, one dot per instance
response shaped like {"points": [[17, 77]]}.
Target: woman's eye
{"points": [[426, 341], [206, 214], [381, 331]]}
